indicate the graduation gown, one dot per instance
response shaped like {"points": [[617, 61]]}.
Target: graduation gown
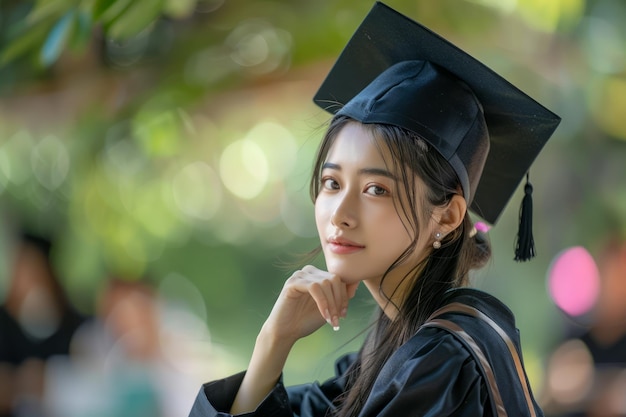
{"points": [[440, 371]]}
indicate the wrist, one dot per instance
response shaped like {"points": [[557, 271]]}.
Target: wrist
{"points": [[273, 334], [268, 358], [273, 340]]}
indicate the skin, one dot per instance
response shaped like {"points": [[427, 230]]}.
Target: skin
{"points": [[361, 234]]}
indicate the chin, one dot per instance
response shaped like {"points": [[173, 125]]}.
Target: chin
{"points": [[347, 274], [341, 270]]}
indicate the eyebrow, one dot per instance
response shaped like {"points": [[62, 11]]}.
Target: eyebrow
{"points": [[369, 171]]}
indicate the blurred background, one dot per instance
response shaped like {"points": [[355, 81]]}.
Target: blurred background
{"points": [[154, 165]]}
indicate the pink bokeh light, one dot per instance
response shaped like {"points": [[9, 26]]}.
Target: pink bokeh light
{"points": [[574, 281]]}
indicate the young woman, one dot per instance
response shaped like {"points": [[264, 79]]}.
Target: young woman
{"points": [[421, 138]]}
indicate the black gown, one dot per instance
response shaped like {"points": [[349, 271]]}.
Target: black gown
{"points": [[437, 372]]}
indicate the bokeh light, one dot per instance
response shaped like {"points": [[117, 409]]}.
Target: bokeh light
{"points": [[571, 373], [15, 164], [259, 47], [207, 66], [244, 169], [297, 214], [124, 53], [278, 145], [574, 281], [50, 162], [197, 191], [159, 132]]}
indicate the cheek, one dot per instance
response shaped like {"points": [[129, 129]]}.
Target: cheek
{"points": [[399, 232], [398, 224]]}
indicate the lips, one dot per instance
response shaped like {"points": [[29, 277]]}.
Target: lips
{"points": [[343, 242], [340, 245]]}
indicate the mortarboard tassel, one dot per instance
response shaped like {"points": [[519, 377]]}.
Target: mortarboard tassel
{"points": [[525, 246]]}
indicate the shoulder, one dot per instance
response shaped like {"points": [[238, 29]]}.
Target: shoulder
{"points": [[479, 312], [430, 351], [483, 301], [433, 351], [486, 328], [432, 374], [473, 318], [436, 346]]}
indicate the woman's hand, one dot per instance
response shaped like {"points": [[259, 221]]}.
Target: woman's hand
{"points": [[309, 298]]}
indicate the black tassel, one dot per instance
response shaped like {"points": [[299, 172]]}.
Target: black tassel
{"points": [[525, 246]]}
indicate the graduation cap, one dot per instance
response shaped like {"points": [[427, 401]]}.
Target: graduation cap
{"points": [[395, 71]]}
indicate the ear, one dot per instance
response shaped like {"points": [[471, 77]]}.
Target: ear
{"points": [[451, 216]]}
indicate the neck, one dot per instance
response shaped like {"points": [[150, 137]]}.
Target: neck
{"points": [[390, 292], [388, 305]]}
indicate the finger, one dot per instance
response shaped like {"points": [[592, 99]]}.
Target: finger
{"points": [[334, 303], [332, 310], [321, 299], [310, 269], [302, 278], [341, 296], [296, 284], [327, 291], [332, 288]]}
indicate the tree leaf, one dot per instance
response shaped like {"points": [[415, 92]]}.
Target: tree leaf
{"points": [[136, 18], [45, 9], [57, 39], [81, 34], [111, 10], [28, 41], [99, 7]]}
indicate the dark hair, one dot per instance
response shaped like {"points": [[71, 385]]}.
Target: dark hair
{"points": [[443, 269]]}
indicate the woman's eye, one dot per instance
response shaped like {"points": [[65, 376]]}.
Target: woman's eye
{"points": [[376, 190], [330, 184]]}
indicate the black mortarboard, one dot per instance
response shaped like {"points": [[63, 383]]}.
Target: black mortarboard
{"points": [[395, 71], [422, 85]]}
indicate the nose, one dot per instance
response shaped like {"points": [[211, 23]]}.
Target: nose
{"points": [[344, 212]]}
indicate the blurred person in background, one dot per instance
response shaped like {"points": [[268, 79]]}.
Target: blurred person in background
{"points": [[37, 322], [587, 371], [119, 365]]}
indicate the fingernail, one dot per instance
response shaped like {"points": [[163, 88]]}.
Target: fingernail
{"points": [[327, 316], [344, 312], [336, 328]]}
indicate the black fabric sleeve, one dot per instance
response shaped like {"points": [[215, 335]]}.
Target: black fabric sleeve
{"points": [[315, 399], [307, 400], [216, 398]]}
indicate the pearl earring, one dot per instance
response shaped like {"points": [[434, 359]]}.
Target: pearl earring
{"points": [[437, 243]]}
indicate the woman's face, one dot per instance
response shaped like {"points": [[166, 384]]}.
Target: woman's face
{"points": [[357, 212]]}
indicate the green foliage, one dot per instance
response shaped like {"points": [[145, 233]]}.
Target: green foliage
{"points": [[130, 18], [51, 26]]}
